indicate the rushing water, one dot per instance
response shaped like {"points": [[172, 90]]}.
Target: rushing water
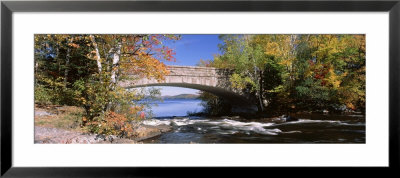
{"points": [[316, 128]]}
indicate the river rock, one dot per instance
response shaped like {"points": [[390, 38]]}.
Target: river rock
{"points": [[44, 135], [280, 119], [291, 118], [147, 131]]}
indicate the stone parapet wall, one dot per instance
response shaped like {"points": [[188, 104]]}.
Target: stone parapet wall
{"points": [[208, 76], [207, 79]]}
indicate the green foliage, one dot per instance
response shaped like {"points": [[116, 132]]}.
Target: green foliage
{"points": [[43, 96], [297, 72], [241, 82], [214, 105]]}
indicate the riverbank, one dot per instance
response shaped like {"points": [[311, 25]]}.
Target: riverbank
{"points": [[60, 125], [277, 116]]}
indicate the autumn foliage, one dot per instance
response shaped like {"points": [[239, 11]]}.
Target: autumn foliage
{"points": [[111, 123], [84, 70], [303, 72]]}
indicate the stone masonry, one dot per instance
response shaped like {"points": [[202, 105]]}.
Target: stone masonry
{"points": [[209, 79]]}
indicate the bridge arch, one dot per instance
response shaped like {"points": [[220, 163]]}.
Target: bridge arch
{"points": [[226, 94], [208, 79]]}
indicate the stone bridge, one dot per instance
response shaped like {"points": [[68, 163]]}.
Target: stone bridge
{"points": [[209, 79]]}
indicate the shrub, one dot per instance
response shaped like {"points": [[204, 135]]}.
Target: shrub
{"points": [[110, 123], [42, 95]]}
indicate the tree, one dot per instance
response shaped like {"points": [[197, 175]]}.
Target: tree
{"points": [[123, 56], [297, 72], [247, 61], [84, 70]]}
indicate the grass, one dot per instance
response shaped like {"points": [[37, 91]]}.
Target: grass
{"points": [[63, 117]]}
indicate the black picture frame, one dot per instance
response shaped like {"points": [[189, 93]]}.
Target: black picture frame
{"points": [[8, 7]]}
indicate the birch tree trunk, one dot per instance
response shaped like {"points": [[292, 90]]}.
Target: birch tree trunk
{"points": [[98, 59], [36, 71], [115, 65], [114, 73]]}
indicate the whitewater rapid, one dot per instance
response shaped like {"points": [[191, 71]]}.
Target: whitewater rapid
{"points": [[229, 126]]}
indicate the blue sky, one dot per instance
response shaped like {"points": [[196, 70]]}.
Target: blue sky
{"points": [[189, 50]]}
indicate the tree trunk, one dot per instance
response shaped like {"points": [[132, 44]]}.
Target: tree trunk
{"points": [[66, 67], [98, 59], [36, 71], [114, 73], [260, 97], [115, 65]]}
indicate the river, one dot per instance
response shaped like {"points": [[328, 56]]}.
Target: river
{"points": [[309, 128]]}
